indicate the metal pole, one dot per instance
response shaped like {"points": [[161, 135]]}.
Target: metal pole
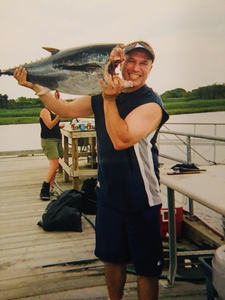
{"points": [[214, 156], [191, 204], [188, 142], [172, 238], [191, 216]]}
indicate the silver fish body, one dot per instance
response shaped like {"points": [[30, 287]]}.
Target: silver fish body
{"points": [[72, 71]]}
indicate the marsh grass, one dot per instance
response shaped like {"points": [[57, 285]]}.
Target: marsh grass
{"points": [[173, 106]]}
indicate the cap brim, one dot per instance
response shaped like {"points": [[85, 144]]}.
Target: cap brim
{"points": [[145, 47]]}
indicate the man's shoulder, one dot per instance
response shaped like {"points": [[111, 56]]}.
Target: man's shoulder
{"points": [[150, 91], [150, 94]]}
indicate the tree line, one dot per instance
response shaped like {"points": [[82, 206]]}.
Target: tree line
{"points": [[215, 91], [19, 103]]}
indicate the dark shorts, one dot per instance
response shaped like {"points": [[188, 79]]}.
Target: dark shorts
{"points": [[130, 237], [52, 148]]}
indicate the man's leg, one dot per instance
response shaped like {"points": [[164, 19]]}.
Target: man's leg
{"points": [[115, 276], [148, 288]]}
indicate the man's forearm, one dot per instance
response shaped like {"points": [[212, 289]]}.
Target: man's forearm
{"points": [[116, 127]]}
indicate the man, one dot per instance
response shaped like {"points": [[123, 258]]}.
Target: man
{"points": [[127, 121]]}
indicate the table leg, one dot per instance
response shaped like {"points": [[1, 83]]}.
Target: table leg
{"points": [[75, 183], [92, 142], [75, 164], [65, 157], [172, 241], [172, 237]]}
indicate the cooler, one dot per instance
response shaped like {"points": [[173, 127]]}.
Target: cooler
{"points": [[164, 219]]}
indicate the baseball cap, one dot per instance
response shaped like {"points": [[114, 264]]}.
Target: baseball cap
{"points": [[140, 45]]}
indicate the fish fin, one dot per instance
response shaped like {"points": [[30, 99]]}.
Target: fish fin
{"points": [[51, 50]]}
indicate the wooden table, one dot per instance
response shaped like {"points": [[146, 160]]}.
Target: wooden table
{"points": [[70, 140], [207, 188]]}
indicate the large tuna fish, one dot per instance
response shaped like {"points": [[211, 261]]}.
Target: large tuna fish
{"points": [[72, 71]]}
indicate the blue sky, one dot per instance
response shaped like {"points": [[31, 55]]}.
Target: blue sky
{"points": [[187, 36]]}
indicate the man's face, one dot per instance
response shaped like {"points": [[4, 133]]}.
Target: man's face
{"points": [[136, 68]]}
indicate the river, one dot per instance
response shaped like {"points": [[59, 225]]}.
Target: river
{"points": [[27, 137]]}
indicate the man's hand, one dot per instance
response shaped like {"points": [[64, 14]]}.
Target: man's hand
{"points": [[111, 87], [20, 75], [115, 61]]}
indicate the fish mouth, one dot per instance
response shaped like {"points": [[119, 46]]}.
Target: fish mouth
{"points": [[81, 68], [112, 66]]}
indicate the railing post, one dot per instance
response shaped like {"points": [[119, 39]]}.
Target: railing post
{"points": [[191, 204], [188, 142], [195, 129], [191, 216], [214, 144]]}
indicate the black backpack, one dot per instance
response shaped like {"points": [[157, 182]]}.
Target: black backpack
{"points": [[89, 203], [63, 213]]}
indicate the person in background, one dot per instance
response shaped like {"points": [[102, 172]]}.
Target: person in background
{"points": [[51, 143], [127, 121]]}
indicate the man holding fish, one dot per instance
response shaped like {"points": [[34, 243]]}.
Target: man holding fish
{"points": [[128, 116]]}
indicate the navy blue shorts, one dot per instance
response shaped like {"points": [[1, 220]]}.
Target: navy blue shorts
{"points": [[130, 237]]}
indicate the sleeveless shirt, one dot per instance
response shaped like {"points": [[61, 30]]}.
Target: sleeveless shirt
{"points": [[53, 133], [128, 179]]}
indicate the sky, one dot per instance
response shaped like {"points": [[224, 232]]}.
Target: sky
{"points": [[188, 36]]}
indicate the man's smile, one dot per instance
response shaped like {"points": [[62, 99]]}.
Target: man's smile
{"points": [[134, 76]]}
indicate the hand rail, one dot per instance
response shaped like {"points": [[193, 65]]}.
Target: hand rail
{"points": [[189, 148]]}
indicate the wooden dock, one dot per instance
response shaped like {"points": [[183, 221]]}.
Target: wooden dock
{"points": [[35, 264]]}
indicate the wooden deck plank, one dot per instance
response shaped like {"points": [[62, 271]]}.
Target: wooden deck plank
{"points": [[40, 265]]}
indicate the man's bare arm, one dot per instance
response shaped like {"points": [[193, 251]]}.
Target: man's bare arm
{"points": [[80, 107], [139, 123]]}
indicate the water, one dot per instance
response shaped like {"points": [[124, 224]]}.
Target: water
{"points": [[27, 137], [20, 137]]}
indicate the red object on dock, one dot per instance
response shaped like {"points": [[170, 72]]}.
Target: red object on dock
{"points": [[164, 219]]}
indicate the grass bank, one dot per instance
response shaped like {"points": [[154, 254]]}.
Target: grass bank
{"points": [[21, 116], [173, 106], [176, 106]]}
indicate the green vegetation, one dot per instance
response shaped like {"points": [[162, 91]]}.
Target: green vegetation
{"points": [[20, 111], [203, 99], [185, 106], [178, 101]]}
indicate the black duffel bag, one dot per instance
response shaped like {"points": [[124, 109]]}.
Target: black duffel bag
{"points": [[89, 203], [63, 213]]}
